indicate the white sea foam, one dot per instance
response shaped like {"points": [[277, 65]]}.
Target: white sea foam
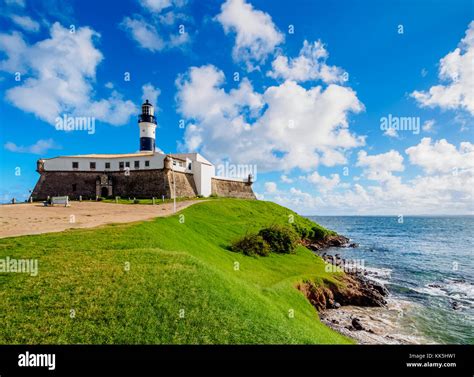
{"points": [[454, 289], [379, 275], [383, 325]]}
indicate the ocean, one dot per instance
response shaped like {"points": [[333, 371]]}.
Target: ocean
{"points": [[427, 263]]}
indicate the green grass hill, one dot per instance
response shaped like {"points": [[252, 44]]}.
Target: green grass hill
{"points": [[172, 280]]}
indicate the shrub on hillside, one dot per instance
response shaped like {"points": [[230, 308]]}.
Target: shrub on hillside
{"points": [[317, 233], [281, 239], [302, 231], [251, 244]]}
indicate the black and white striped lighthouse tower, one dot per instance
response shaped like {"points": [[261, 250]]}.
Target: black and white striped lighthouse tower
{"points": [[147, 124]]}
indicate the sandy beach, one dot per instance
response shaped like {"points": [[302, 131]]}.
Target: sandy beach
{"points": [[34, 218]]}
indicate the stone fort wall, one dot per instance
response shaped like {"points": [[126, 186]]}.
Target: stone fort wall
{"points": [[136, 184], [232, 189]]}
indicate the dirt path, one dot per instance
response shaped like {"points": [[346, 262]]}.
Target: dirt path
{"points": [[34, 218]]}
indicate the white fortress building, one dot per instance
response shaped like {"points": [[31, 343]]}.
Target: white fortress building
{"points": [[144, 174]]}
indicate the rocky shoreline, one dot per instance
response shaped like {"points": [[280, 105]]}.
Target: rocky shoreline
{"points": [[355, 305], [328, 241]]}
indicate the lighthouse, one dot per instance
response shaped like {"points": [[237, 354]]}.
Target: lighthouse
{"points": [[147, 125]]}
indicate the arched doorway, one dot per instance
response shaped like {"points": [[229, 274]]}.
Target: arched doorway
{"points": [[103, 186]]}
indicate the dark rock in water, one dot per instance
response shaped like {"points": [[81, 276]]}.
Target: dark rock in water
{"points": [[456, 305], [380, 289], [353, 245], [356, 324], [434, 285], [314, 246], [328, 241], [336, 241]]}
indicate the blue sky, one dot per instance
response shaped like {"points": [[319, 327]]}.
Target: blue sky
{"points": [[309, 118]]}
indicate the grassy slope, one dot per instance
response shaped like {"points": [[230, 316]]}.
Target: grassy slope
{"points": [[173, 266]]}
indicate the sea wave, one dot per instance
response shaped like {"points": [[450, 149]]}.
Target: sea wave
{"points": [[459, 290], [381, 325], [378, 274]]}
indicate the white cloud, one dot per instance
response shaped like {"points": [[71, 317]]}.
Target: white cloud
{"points": [[149, 37], [156, 5], [391, 132], [230, 124], [256, 34], [40, 147], [154, 30], [457, 71], [144, 33], [270, 187], [427, 126], [20, 3], [151, 94], [322, 182], [25, 23], [179, 40], [445, 187], [13, 46], [379, 167], [285, 179], [113, 110], [424, 195], [441, 156], [309, 65], [60, 76]]}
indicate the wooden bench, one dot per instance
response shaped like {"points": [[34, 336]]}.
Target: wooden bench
{"points": [[63, 200]]}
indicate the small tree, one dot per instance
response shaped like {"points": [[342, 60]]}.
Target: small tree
{"points": [[281, 239], [251, 244]]}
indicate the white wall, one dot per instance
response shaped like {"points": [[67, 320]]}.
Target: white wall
{"points": [[202, 177], [147, 129], [65, 163]]}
